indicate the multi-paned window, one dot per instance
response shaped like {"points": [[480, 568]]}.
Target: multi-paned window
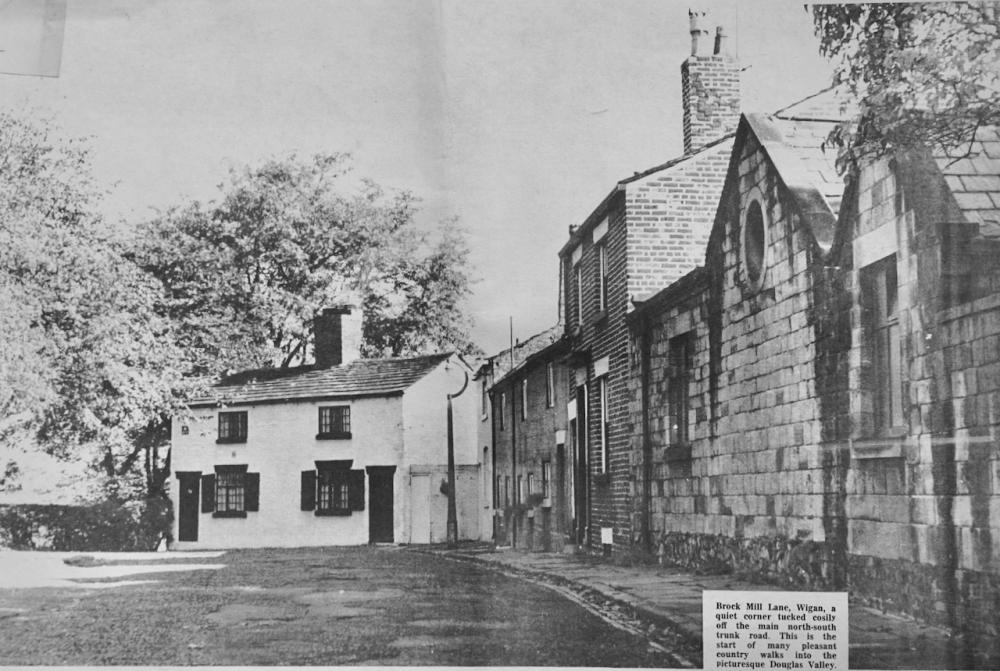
{"points": [[546, 478], [232, 427], [602, 278], [230, 492], [333, 489], [334, 421], [550, 385], [531, 484], [880, 289], [678, 388]]}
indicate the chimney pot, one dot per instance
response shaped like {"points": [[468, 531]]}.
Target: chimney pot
{"points": [[697, 20], [721, 42]]}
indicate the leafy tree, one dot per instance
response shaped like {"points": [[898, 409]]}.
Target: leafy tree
{"points": [[86, 364], [924, 73], [244, 277]]}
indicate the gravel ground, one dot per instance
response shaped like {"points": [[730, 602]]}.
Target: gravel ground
{"points": [[326, 606]]}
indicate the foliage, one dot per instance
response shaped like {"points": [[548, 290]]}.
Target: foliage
{"points": [[924, 73], [86, 364], [106, 526], [243, 278]]}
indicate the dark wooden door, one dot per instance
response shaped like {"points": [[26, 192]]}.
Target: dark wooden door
{"points": [[380, 504], [581, 475], [187, 506]]}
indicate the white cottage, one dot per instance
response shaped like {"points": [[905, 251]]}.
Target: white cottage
{"points": [[336, 453]]}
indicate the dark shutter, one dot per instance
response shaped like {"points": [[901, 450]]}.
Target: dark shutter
{"points": [[208, 493], [308, 490], [253, 492], [356, 490]]}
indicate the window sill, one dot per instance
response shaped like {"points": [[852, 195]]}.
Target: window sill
{"points": [[230, 441], [886, 446], [336, 435], [333, 512], [230, 513]]}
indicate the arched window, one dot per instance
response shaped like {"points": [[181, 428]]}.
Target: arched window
{"points": [[754, 244]]}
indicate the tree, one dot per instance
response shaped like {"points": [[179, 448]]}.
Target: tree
{"points": [[242, 279], [923, 73], [86, 364]]}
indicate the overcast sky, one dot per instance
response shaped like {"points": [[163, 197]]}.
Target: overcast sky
{"points": [[518, 116]]}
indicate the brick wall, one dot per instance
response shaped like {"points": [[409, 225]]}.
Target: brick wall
{"points": [[710, 91]]}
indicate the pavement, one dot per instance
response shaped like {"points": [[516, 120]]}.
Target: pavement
{"points": [[667, 601]]}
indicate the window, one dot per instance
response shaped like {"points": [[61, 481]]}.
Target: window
{"points": [[602, 278], [550, 385], [678, 388], [531, 484], [524, 398], [503, 410], [506, 491], [498, 492], [520, 490], [879, 287], [335, 422], [546, 478], [230, 492], [603, 418], [486, 399], [333, 489], [232, 427], [579, 293], [754, 244]]}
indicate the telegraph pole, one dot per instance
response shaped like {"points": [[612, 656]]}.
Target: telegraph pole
{"points": [[452, 528]]}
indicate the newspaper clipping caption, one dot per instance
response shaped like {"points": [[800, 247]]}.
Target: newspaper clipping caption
{"points": [[774, 630]]}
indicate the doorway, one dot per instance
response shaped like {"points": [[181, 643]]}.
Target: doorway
{"points": [[187, 505], [380, 504]]}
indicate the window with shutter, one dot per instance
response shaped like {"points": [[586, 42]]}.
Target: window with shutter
{"points": [[208, 493], [308, 490], [231, 491]]}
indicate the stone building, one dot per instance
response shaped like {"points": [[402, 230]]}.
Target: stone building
{"points": [[818, 404]]}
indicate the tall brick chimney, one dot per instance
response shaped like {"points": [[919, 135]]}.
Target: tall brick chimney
{"points": [[337, 335], [711, 87]]}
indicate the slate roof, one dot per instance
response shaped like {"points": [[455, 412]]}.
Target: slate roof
{"points": [[804, 127], [975, 180], [358, 379]]}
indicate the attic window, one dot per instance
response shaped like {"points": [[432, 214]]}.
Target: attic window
{"points": [[754, 244]]}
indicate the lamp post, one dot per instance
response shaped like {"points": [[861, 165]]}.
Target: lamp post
{"points": [[452, 528]]}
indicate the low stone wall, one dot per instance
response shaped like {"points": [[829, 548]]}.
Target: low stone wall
{"points": [[776, 559]]}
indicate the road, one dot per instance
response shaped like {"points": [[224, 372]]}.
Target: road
{"points": [[326, 606]]}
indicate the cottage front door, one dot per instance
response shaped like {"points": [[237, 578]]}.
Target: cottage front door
{"points": [[187, 506], [380, 500]]}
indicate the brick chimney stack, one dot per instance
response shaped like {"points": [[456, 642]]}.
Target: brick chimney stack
{"points": [[337, 336], [711, 87]]}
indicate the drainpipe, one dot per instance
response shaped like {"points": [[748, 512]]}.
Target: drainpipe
{"points": [[452, 529], [647, 442]]}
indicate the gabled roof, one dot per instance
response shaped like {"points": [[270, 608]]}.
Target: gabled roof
{"points": [[358, 379], [974, 180], [502, 362]]}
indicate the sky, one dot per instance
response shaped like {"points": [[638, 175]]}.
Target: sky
{"points": [[515, 116]]}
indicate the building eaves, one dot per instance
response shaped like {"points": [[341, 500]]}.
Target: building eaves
{"points": [[557, 347], [601, 210], [695, 280], [365, 378]]}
